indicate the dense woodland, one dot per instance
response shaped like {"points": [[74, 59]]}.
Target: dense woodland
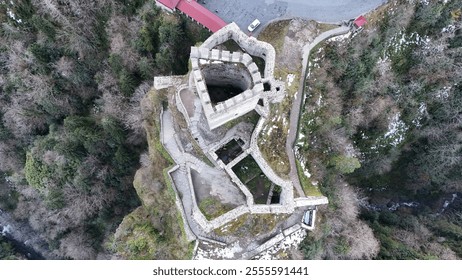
{"points": [[382, 126], [72, 74], [383, 123]]}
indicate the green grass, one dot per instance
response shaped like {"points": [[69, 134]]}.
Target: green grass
{"points": [[273, 146], [323, 27], [247, 169], [259, 187], [250, 174], [251, 117], [275, 34], [212, 208], [308, 188], [249, 224], [232, 46]]}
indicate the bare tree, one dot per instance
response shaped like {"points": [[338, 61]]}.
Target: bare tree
{"points": [[77, 245]]}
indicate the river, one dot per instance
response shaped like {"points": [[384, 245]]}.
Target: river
{"points": [[24, 239]]}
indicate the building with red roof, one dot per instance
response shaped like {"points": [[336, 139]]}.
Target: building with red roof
{"points": [[169, 4], [196, 12], [360, 21]]}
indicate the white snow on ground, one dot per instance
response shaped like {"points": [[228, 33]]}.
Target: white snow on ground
{"points": [[350, 150], [449, 29], [383, 65], [422, 112], [218, 253], [319, 101], [339, 38], [394, 136], [447, 202], [401, 40], [6, 229], [290, 78], [426, 2], [443, 93], [395, 206], [291, 241], [396, 130], [13, 16], [305, 170]]}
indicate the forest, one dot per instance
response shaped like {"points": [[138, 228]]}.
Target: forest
{"points": [[382, 127], [72, 74], [383, 123]]}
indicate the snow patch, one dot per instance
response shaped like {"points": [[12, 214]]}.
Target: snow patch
{"points": [[443, 93], [421, 113], [426, 2], [290, 78], [7, 230], [402, 40], [319, 101], [395, 206], [304, 169], [12, 15], [449, 29], [218, 253], [290, 241], [340, 38], [447, 202], [396, 130]]}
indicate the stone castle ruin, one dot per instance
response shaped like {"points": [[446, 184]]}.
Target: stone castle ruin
{"points": [[225, 84], [230, 84]]}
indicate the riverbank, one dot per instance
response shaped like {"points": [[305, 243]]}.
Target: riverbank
{"points": [[23, 238]]}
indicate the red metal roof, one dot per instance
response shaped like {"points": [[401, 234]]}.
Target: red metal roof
{"points": [[171, 4], [360, 21], [201, 15]]}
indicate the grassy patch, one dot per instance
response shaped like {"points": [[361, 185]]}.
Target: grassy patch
{"points": [[273, 137], [323, 27], [200, 154], [252, 225], [251, 117], [308, 188], [259, 186], [274, 34], [231, 46], [248, 171], [212, 208], [260, 62], [282, 73]]}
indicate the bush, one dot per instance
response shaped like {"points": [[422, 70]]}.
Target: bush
{"points": [[345, 164], [310, 247]]}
